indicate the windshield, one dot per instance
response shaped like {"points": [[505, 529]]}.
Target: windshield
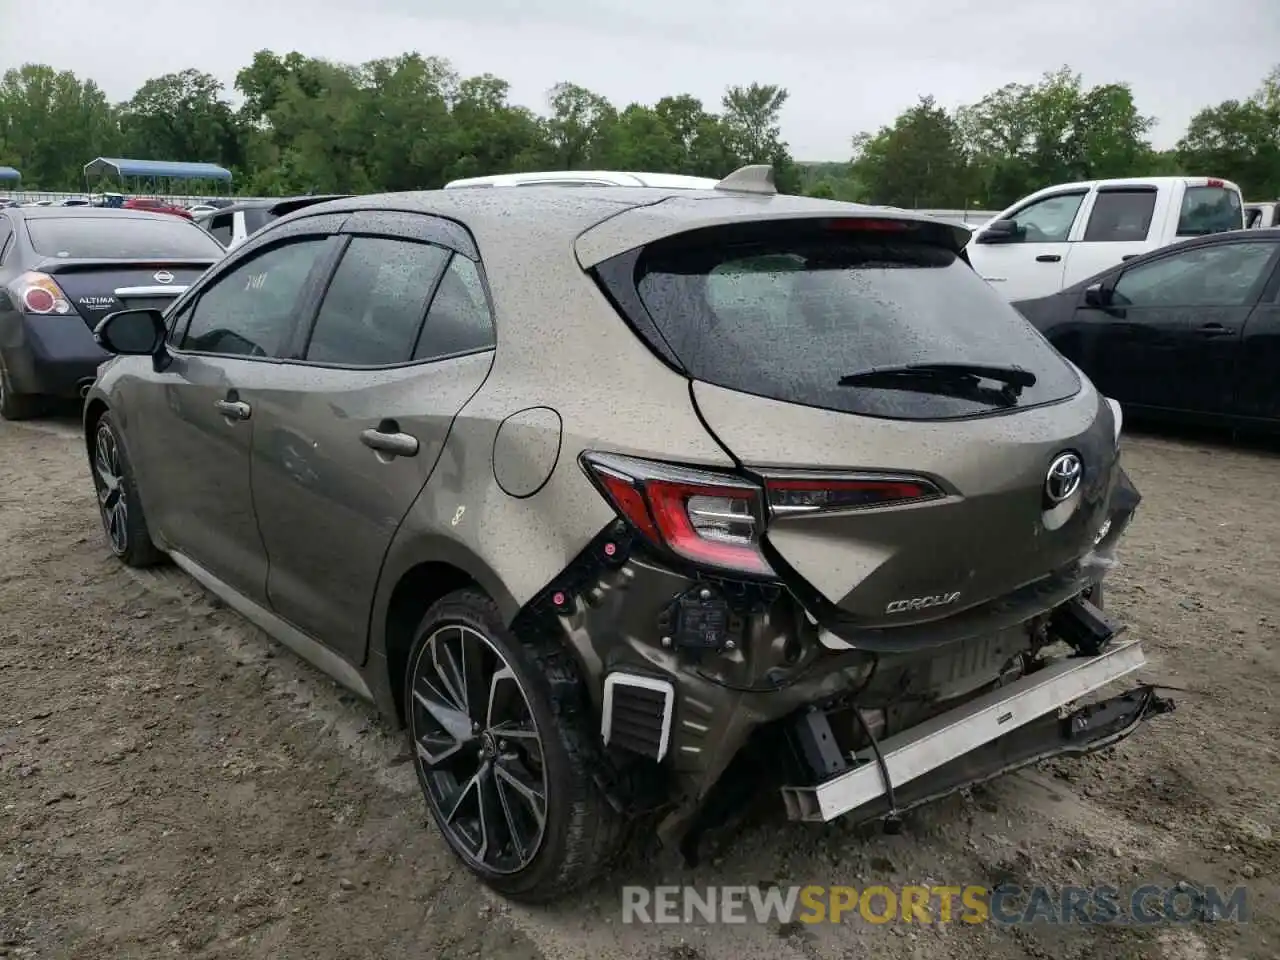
{"points": [[120, 238], [789, 312]]}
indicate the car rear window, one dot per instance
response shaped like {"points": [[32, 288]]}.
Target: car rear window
{"points": [[1208, 210], [119, 238], [786, 310]]}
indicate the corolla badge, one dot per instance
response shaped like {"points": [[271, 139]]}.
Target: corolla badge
{"points": [[164, 276], [1064, 477], [923, 603]]}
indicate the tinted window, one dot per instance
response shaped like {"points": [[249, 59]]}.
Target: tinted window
{"points": [[119, 238], [1209, 210], [6, 231], [374, 306], [785, 311], [255, 218], [1120, 216], [221, 227], [1221, 276], [251, 309], [459, 320], [1048, 220]]}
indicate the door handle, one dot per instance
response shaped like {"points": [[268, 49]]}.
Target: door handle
{"points": [[233, 409], [1214, 330], [394, 443], [1048, 258]]}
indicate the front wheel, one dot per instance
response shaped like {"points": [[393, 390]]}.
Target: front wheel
{"points": [[118, 503], [503, 769]]}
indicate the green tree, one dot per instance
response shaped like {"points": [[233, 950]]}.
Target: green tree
{"points": [[182, 116], [1026, 136], [753, 130], [580, 127], [917, 162], [1239, 141], [52, 124]]}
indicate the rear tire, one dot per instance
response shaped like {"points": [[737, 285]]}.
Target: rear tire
{"points": [[507, 777], [17, 406], [118, 502]]}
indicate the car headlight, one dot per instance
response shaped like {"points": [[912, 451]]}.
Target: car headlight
{"points": [[1117, 415]]}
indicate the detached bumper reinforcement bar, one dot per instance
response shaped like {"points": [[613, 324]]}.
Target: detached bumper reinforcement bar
{"points": [[945, 740]]}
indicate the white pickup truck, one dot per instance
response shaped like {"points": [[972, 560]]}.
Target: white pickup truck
{"points": [[1059, 235], [1259, 216]]}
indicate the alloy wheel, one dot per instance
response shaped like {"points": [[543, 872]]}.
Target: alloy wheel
{"points": [[109, 479], [479, 750]]}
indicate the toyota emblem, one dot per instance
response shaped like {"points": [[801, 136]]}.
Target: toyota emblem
{"points": [[1064, 477], [164, 276]]}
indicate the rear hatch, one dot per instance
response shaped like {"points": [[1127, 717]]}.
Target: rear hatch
{"points": [[109, 262], [897, 495]]}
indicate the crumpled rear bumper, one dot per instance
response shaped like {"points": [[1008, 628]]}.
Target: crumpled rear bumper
{"points": [[1026, 721]]}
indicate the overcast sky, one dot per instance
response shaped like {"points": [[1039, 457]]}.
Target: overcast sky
{"points": [[849, 65]]}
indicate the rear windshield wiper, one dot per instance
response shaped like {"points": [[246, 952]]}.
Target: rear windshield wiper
{"points": [[961, 380]]}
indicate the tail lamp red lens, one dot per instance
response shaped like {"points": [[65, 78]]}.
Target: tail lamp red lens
{"points": [[714, 519], [704, 517], [39, 293]]}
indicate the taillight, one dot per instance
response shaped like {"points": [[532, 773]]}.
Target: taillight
{"points": [[790, 495], [706, 518], [39, 293]]}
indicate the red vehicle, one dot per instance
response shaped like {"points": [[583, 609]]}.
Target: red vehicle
{"points": [[156, 205]]}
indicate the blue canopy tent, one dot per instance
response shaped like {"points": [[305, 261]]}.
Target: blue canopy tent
{"points": [[153, 172]]}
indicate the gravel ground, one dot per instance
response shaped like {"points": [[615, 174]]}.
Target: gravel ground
{"points": [[172, 783]]}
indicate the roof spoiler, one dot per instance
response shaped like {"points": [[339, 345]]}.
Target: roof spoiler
{"points": [[291, 204], [754, 178]]}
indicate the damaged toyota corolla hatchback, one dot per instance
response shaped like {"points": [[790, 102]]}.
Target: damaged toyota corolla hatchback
{"points": [[630, 503]]}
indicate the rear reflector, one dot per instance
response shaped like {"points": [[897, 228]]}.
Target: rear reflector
{"points": [[871, 226], [796, 495]]}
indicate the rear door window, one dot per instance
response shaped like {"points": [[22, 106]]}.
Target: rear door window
{"points": [[785, 310], [375, 304], [1209, 209], [1120, 216], [459, 320]]}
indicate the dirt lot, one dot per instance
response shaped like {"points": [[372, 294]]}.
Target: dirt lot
{"points": [[172, 783]]}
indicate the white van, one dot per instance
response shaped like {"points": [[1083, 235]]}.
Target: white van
{"points": [[587, 178], [1059, 235]]}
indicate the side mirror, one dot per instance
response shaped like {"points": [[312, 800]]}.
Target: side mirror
{"points": [[999, 231], [1098, 295], [132, 333]]}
